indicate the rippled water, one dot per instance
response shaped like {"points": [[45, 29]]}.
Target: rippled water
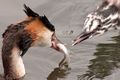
{"points": [[95, 59], [91, 60], [107, 60]]}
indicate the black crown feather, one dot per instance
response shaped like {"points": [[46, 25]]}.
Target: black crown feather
{"points": [[30, 12], [47, 23], [44, 19]]}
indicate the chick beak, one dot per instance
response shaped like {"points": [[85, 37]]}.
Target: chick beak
{"points": [[83, 36]]}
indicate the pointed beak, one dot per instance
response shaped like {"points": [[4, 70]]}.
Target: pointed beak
{"points": [[83, 36]]}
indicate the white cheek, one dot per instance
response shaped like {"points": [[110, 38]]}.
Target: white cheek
{"points": [[101, 32], [87, 25], [45, 41], [94, 25]]}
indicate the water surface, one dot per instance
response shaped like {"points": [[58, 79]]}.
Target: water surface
{"points": [[94, 59]]}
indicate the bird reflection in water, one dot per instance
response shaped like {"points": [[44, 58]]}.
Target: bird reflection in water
{"points": [[58, 73], [107, 60]]}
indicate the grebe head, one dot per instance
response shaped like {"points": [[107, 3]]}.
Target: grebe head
{"points": [[99, 21], [44, 34]]}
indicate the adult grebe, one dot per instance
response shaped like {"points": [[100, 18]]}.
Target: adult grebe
{"points": [[106, 16], [35, 30]]}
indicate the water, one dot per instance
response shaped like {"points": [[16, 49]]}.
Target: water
{"points": [[90, 60], [107, 60], [95, 59]]}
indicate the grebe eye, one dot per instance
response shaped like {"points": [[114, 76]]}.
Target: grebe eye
{"points": [[99, 25]]}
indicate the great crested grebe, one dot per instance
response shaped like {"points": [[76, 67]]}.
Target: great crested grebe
{"points": [[18, 38], [106, 16]]}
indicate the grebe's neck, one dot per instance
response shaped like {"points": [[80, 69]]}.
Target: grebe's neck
{"points": [[12, 64]]}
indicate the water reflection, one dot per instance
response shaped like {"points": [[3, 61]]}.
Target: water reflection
{"points": [[58, 73], [107, 59]]}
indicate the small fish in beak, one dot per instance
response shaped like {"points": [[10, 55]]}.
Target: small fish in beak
{"points": [[57, 45]]}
